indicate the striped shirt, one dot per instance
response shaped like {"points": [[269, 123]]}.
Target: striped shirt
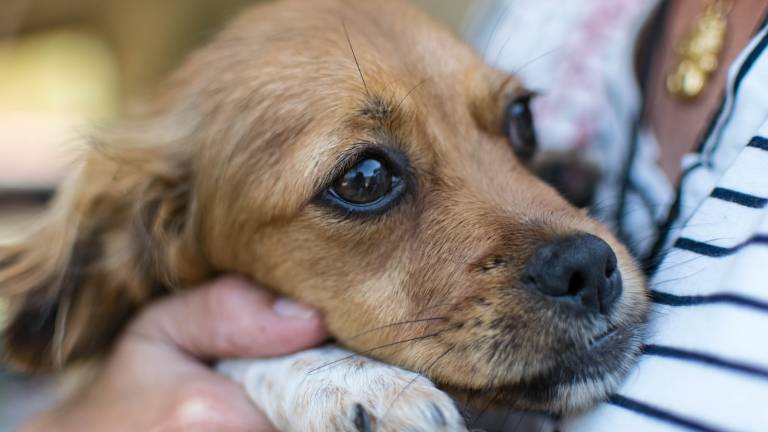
{"points": [[705, 364]]}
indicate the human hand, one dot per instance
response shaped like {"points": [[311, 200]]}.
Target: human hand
{"points": [[157, 379]]}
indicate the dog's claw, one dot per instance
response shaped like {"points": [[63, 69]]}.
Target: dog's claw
{"points": [[362, 419]]}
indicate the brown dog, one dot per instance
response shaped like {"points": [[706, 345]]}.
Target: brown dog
{"points": [[358, 157]]}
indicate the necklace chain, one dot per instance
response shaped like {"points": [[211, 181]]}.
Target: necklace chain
{"points": [[699, 52]]}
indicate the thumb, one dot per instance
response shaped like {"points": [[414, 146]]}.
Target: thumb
{"points": [[231, 318]]}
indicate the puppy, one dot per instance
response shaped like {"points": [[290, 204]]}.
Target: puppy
{"points": [[356, 156]]}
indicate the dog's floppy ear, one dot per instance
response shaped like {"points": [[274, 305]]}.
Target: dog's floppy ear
{"points": [[119, 232]]}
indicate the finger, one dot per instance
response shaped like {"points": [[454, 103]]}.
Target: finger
{"points": [[231, 318]]}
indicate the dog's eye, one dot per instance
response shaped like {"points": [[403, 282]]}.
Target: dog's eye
{"points": [[371, 185], [365, 183], [366, 187], [519, 129]]}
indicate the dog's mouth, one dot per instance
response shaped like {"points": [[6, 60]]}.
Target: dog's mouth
{"points": [[582, 377], [578, 378]]}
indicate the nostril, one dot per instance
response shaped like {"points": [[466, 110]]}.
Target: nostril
{"points": [[610, 268], [576, 283]]}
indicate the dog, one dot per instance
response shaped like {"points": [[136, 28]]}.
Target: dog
{"points": [[358, 157]]}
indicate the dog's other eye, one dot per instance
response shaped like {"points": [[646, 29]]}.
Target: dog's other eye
{"points": [[519, 129]]}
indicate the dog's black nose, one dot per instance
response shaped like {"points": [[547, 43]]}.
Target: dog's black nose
{"points": [[580, 269]]}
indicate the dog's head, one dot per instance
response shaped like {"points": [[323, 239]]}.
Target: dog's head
{"points": [[357, 157]]}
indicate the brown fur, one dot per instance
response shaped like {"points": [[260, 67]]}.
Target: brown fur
{"points": [[222, 176]]}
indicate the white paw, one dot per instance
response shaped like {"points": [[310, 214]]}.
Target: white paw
{"points": [[398, 400], [314, 391]]}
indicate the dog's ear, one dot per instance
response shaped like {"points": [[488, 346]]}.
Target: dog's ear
{"points": [[119, 232]]}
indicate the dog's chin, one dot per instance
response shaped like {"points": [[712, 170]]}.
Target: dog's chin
{"points": [[578, 379]]}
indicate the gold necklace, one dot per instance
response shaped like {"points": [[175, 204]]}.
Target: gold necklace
{"points": [[698, 53]]}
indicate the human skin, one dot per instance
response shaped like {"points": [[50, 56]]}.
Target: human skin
{"points": [[157, 377]]}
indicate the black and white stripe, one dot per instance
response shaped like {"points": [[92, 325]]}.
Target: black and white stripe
{"points": [[704, 358], [659, 413], [740, 198], [668, 299], [710, 250], [759, 143]]}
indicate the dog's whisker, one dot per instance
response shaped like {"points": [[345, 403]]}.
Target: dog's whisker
{"points": [[482, 412], [495, 27], [663, 254], [480, 393], [528, 62], [639, 241], [675, 265], [682, 278], [354, 56], [656, 283], [469, 394], [504, 421], [501, 50], [427, 370], [521, 417], [390, 325], [416, 376], [407, 94], [434, 306], [543, 425], [380, 347], [537, 58]]}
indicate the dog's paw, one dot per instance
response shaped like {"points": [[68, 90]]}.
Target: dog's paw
{"points": [[327, 390], [402, 403]]}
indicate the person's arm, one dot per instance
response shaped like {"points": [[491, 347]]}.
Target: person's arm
{"points": [[157, 378]]}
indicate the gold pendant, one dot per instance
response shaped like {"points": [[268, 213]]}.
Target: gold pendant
{"points": [[699, 52]]}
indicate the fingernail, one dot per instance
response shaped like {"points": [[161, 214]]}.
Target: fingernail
{"points": [[290, 309]]}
